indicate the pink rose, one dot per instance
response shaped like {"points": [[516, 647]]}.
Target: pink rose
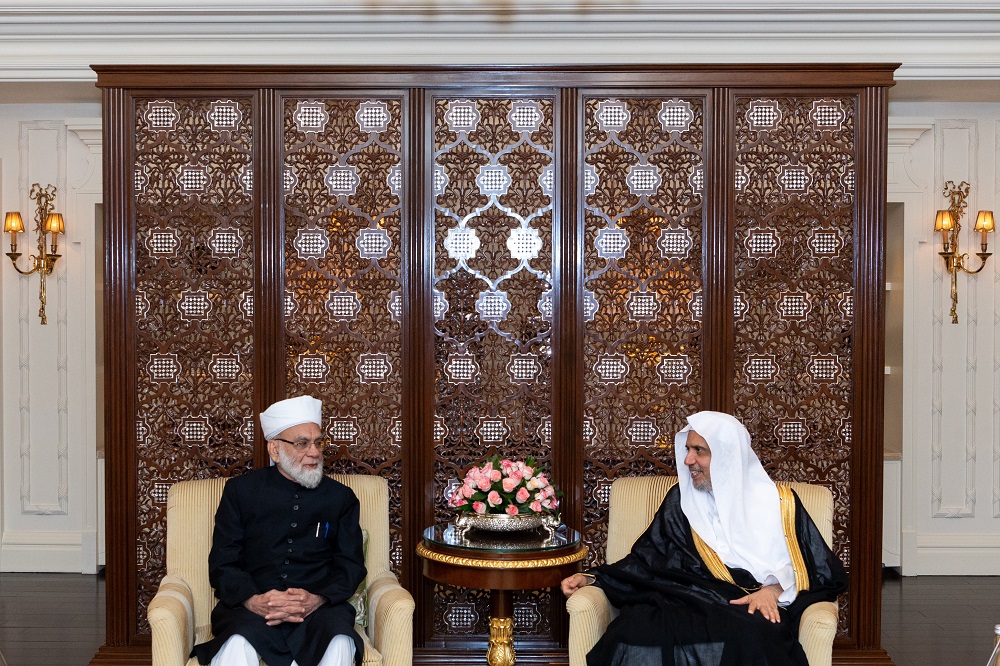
{"points": [[555, 503], [484, 484], [509, 484], [479, 507], [467, 491], [540, 495], [536, 506], [495, 475], [494, 498], [547, 503], [522, 495], [460, 502], [542, 481], [511, 510], [527, 471], [514, 474]]}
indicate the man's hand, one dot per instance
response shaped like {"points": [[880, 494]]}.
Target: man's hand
{"points": [[574, 583], [275, 606], [764, 600]]}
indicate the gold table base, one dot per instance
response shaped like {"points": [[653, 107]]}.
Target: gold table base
{"points": [[501, 650]]}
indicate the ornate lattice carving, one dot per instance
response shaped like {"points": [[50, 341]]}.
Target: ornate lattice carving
{"points": [[342, 272], [492, 266], [194, 342], [794, 269], [643, 176]]}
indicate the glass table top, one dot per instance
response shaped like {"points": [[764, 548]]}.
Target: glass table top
{"points": [[446, 534]]}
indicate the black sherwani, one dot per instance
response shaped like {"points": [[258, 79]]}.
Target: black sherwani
{"points": [[674, 612], [274, 534]]}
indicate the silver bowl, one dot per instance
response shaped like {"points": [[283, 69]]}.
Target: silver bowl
{"points": [[501, 522]]}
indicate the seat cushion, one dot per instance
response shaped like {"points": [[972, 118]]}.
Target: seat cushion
{"points": [[372, 656]]}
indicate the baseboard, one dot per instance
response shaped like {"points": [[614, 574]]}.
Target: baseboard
{"points": [[450, 657], [848, 657], [944, 554], [123, 656], [41, 552]]}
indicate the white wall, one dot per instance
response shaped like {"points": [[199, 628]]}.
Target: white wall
{"points": [[950, 478], [48, 462]]}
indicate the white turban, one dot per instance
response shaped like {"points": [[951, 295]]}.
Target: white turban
{"points": [[741, 518], [292, 412]]}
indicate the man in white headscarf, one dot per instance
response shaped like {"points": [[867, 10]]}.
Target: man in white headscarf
{"points": [[715, 580], [286, 554]]}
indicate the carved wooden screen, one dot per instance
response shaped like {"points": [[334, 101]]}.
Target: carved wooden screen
{"points": [[644, 189], [584, 257], [194, 274], [795, 172], [493, 178], [342, 184]]}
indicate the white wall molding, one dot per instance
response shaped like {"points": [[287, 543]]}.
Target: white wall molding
{"points": [[26, 311], [55, 40], [903, 135], [969, 315]]}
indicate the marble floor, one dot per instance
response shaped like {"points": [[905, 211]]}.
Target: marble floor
{"points": [[58, 619]]}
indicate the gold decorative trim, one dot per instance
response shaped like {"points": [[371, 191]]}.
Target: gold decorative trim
{"points": [[712, 560], [787, 498], [429, 554]]}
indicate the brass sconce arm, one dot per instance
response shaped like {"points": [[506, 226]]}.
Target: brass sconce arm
{"points": [[47, 222]]}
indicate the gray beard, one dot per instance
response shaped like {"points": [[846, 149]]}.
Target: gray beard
{"points": [[309, 478]]}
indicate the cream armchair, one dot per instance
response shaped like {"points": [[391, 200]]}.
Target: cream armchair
{"points": [[179, 614], [633, 503]]}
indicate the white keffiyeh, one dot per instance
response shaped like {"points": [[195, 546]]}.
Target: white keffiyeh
{"points": [[741, 518]]}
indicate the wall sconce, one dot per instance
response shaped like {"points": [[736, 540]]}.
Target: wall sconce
{"points": [[948, 223], [46, 222]]}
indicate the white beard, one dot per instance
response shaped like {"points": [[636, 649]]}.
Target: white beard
{"points": [[309, 478]]}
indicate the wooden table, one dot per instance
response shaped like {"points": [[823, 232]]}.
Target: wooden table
{"points": [[500, 563]]}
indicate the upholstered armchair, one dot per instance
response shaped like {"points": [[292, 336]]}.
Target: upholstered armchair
{"points": [[179, 614], [633, 503]]}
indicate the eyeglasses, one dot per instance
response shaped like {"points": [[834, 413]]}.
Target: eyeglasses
{"points": [[303, 444]]}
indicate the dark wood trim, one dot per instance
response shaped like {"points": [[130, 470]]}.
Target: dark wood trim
{"points": [[269, 261], [119, 372], [799, 75], [140, 655], [476, 655], [877, 657], [417, 234], [567, 334], [717, 255], [869, 371]]}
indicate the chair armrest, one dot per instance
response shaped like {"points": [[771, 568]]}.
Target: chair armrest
{"points": [[390, 609], [817, 629], [589, 616], [171, 619]]}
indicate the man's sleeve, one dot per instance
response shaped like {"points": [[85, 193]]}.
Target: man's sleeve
{"points": [[348, 559], [233, 585]]}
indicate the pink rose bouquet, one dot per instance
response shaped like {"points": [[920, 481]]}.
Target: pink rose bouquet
{"points": [[511, 487]]}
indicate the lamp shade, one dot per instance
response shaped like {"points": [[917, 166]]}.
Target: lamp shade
{"points": [[13, 223], [984, 221], [55, 224], [944, 221]]}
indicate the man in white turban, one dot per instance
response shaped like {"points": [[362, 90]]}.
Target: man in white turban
{"points": [[286, 554], [715, 580]]}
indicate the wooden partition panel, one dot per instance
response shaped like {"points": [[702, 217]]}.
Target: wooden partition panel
{"points": [[555, 262]]}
